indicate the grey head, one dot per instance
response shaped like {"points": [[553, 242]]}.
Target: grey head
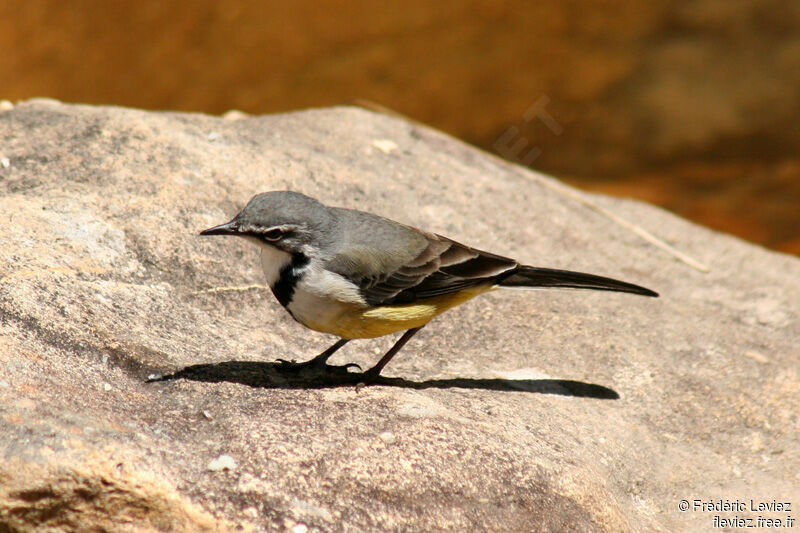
{"points": [[287, 220]]}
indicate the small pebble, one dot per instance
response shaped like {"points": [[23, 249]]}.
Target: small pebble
{"points": [[5, 162], [223, 462], [213, 136], [207, 414], [6, 105], [4, 384], [755, 356], [300, 528], [106, 387], [387, 437], [386, 146]]}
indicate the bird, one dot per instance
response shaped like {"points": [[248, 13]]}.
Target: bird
{"points": [[357, 275]]}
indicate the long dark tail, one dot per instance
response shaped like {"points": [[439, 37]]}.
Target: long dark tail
{"points": [[528, 276]]}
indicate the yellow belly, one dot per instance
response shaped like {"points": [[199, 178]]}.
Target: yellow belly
{"points": [[354, 322]]}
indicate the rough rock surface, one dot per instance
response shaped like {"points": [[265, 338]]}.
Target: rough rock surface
{"points": [[520, 411]]}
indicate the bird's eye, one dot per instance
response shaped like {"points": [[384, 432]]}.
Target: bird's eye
{"points": [[274, 234]]}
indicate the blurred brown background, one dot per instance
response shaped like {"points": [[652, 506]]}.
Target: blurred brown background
{"points": [[693, 105]]}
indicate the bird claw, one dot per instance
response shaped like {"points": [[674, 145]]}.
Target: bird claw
{"points": [[370, 376], [315, 367]]}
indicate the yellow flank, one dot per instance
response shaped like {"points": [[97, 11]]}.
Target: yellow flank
{"points": [[367, 322]]}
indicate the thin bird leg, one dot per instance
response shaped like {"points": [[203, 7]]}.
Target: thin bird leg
{"points": [[324, 356], [320, 360], [375, 371]]}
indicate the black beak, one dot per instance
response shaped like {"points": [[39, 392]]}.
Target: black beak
{"points": [[229, 228]]}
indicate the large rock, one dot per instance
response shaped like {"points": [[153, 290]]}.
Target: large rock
{"points": [[518, 411]]}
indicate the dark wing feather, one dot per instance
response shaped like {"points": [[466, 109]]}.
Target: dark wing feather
{"points": [[443, 267]]}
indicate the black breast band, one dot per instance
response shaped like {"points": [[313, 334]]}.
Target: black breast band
{"points": [[288, 277]]}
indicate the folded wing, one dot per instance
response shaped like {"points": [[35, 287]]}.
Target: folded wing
{"points": [[442, 267]]}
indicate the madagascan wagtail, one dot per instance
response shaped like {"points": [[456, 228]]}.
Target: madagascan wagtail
{"points": [[357, 275]]}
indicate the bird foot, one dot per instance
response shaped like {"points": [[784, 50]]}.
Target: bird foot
{"points": [[370, 376], [315, 367]]}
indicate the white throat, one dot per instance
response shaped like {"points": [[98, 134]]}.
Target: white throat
{"points": [[272, 261]]}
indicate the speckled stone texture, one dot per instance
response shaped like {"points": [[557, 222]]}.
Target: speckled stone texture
{"points": [[520, 411]]}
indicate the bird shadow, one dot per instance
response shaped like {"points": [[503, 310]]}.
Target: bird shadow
{"points": [[276, 376]]}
